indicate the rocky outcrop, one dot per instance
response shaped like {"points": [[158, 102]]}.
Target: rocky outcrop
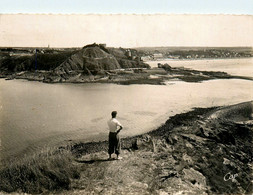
{"points": [[94, 59], [90, 60]]}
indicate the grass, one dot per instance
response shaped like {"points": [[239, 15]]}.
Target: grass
{"points": [[48, 170]]}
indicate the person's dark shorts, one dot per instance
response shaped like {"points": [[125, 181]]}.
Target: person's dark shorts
{"points": [[114, 143]]}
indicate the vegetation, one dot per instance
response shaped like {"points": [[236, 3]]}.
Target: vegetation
{"points": [[40, 61], [191, 153], [92, 57], [47, 170]]}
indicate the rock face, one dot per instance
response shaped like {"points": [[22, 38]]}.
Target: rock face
{"points": [[71, 65], [94, 59], [91, 60], [92, 63]]}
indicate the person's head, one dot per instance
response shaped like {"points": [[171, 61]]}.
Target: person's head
{"points": [[114, 114]]}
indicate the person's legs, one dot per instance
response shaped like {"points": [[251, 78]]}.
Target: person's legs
{"points": [[118, 146], [111, 145]]}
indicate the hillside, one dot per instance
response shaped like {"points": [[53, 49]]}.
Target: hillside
{"points": [[92, 58], [204, 151]]}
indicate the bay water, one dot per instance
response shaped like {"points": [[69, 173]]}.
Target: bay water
{"points": [[34, 115]]}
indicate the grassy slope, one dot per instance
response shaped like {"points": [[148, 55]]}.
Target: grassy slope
{"points": [[48, 170]]}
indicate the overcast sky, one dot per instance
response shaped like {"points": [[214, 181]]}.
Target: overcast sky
{"points": [[125, 30]]}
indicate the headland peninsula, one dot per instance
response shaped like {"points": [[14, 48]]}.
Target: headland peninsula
{"points": [[97, 63]]}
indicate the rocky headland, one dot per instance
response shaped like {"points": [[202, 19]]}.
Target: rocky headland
{"points": [[204, 151], [97, 63], [88, 64]]}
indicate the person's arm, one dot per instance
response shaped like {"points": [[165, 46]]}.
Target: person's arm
{"points": [[120, 127]]}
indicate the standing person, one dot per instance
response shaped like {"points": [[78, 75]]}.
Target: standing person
{"points": [[114, 139]]}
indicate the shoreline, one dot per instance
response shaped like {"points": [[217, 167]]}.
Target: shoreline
{"points": [[192, 59], [190, 153], [153, 76], [156, 75]]}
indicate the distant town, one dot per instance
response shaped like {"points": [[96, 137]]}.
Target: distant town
{"points": [[193, 53]]}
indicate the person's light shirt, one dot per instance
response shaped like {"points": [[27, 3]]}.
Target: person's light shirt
{"points": [[113, 125]]}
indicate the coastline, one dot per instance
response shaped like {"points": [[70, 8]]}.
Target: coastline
{"points": [[191, 153], [157, 72], [198, 59], [153, 76]]}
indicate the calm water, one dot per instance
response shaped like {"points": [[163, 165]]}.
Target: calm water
{"points": [[242, 67], [35, 115]]}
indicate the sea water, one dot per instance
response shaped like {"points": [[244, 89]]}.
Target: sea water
{"points": [[34, 115]]}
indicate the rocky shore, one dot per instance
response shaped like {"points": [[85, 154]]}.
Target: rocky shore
{"points": [[155, 76], [204, 151], [97, 63]]}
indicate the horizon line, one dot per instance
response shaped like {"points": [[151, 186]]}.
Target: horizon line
{"points": [[125, 47], [138, 14]]}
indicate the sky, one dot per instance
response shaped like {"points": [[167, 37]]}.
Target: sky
{"points": [[121, 23], [128, 6]]}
